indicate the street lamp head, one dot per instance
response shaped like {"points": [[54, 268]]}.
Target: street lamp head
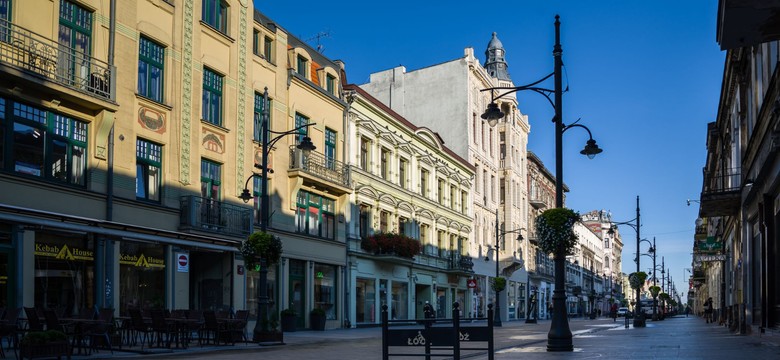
{"points": [[246, 196], [492, 114], [611, 230], [591, 149], [651, 250], [306, 145], [519, 237]]}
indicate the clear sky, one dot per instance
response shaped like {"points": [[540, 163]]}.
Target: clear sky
{"points": [[644, 76]]}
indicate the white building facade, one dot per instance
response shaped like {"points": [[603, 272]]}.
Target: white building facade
{"points": [[447, 98]]}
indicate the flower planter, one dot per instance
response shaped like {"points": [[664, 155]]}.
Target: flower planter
{"points": [[288, 322], [269, 337], [317, 321], [56, 349]]}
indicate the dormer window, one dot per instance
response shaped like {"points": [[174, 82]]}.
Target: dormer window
{"points": [[330, 84], [301, 66]]}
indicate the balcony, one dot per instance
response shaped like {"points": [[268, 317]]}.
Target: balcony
{"points": [[537, 199], [50, 61], [462, 264], [315, 167], [211, 216], [720, 194]]}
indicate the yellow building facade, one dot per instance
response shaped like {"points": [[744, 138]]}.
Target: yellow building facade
{"points": [[128, 132]]}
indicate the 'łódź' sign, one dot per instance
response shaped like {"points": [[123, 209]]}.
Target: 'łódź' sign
{"points": [[63, 252], [710, 245], [141, 261]]}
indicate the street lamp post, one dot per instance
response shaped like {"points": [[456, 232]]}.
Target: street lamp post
{"points": [[639, 319], [592, 294], [499, 234], [306, 146], [559, 338]]}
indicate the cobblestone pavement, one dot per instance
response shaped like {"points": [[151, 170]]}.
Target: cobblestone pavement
{"points": [[673, 338]]}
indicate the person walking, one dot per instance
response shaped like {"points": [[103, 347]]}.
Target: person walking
{"points": [[687, 310], [613, 312], [708, 310], [549, 309]]}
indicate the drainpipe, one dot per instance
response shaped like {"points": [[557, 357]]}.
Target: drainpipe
{"points": [[105, 263]]}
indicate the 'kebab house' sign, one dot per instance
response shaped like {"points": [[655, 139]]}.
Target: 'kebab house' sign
{"points": [[141, 261], [63, 252]]}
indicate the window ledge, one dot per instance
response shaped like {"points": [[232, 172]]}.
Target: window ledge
{"points": [[211, 124], [154, 102], [221, 36]]}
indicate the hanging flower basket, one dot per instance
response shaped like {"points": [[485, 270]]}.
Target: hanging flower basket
{"points": [[261, 245], [498, 284], [654, 290], [555, 228], [637, 279]]}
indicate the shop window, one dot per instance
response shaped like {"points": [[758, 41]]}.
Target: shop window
{"points": [[141, 276], [315, 215], [252, 285], [64, 273], [325, 289], [399, 300], [365, 303]]}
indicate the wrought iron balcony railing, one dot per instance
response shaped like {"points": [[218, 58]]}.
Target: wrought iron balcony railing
{"points": [[320, 166], [462, 263], [720, 194], [203, 214], [54, 61]]}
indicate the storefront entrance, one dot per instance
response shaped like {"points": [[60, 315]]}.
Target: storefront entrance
{"points": [[298, 291], [7, 266]]}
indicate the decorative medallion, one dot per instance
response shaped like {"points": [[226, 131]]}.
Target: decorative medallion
{"points": [[213, 141], [151, 120]]}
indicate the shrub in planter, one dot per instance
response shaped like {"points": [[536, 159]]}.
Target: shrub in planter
{"points": [[637, 279], [49, 343], [498, 284], [391, 244], [317, 319], [261, 245]]}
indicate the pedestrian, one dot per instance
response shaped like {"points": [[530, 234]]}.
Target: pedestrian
{"points": [[613, 312], [549, 309], [708, 310], [687, 310]]}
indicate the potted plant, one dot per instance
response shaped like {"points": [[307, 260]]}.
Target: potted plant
{"points": [[289, 317], [555, 230], [636, 280], [41, 344], [498, 284], [654, 290], [317, 319]]}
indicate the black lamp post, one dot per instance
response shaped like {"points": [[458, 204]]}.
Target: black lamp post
{"points": [[592, 295], [559, 338], [306, 146], [499, 234], [639, 319]]}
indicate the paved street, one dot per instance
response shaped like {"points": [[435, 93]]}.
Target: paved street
{"points": [[674, 338]]}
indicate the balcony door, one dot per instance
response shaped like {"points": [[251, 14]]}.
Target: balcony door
{"points": [[75, 43]]}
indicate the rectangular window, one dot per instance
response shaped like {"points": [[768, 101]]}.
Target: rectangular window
{"points": [[5, 15], [330, 149], [441, 191], [258, 121], [384, 218], [212, 97], [75, 43], [215, 14], [464, 204], [365, 220], [493, 187], [42, 143], [301, 66], [502, 190], [364, 154], [210, 184], [148, 170], [268, 46], [384, 163], [442, 244], [315, 215], [453, 195], [256, 42], [300, 124], [423, 182], [402, 164], [150, 69], [403, 224], [330, 84], [424, 234]]}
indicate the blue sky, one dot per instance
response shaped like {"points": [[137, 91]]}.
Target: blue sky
{"points": [[644, 76]]}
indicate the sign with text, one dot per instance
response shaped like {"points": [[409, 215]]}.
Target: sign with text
{"points": [[63, 252], [141, 261]]}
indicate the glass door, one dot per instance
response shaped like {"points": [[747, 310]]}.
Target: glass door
{"points": [[298, 291], [7, 278]]}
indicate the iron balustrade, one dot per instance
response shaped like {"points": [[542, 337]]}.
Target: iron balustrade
{"points": [[204, 214], [320, 166], [722, 181], [54, 61]]}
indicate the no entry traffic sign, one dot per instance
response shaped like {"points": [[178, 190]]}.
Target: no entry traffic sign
{"points": [[183, 261]]}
